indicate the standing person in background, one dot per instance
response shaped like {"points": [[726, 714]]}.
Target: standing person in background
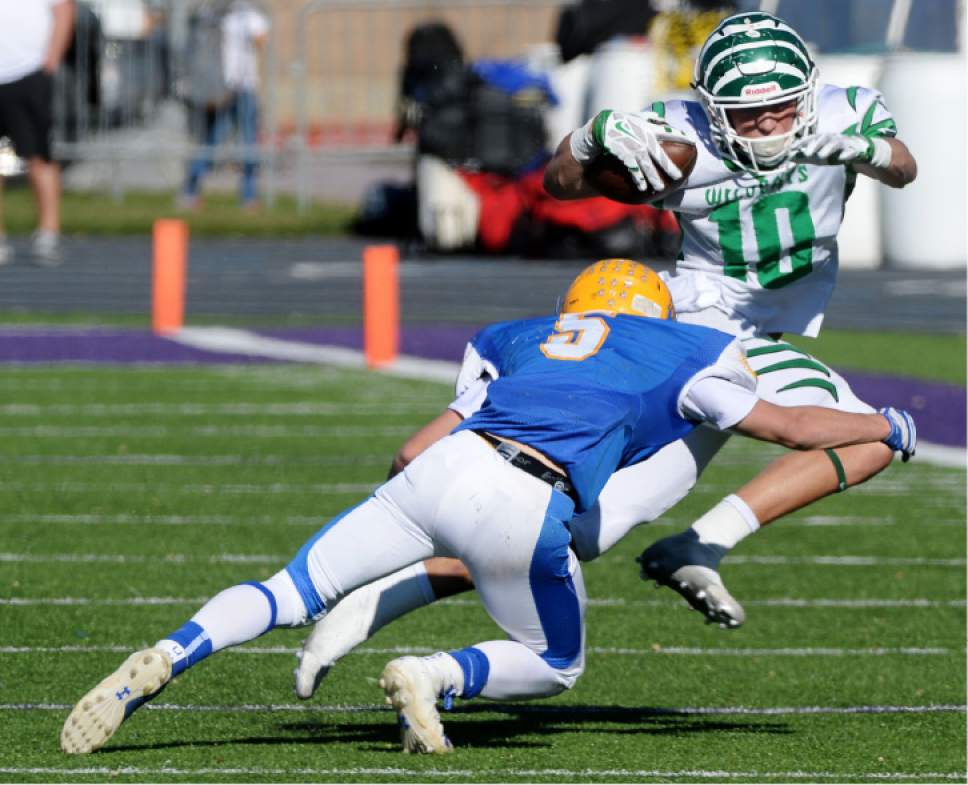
{"points": [[33, 39], [233, 94]]}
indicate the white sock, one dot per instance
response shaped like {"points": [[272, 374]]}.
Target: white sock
{"points": [[518, 673], [358, 615], [233, 616], [727, 523]]}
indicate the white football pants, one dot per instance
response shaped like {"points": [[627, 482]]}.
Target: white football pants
{"points": [[641, 493], [460, 498]]}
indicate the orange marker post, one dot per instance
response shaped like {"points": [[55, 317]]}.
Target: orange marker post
{"points": [[381, 304], [170, 238]]}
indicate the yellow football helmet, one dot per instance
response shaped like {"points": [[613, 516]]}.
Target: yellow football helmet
{"points": [[619, 286]]}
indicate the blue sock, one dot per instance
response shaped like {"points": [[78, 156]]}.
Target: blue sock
{"points": [[233, 616], [187, 646], [476, 667]]}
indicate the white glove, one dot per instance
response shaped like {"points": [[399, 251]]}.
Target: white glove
{"points": [[844, 149], [904, 435], [635, 140]]}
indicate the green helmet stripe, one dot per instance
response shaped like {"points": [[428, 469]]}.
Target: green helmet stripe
{"points": [[745, 56], [732, 83], [752, 52], [717, 46]]}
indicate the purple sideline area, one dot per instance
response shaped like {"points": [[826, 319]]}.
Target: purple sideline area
{"points": [[938, 407]]}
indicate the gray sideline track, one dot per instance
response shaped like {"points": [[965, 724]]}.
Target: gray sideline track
{"points": [[320, 278]]}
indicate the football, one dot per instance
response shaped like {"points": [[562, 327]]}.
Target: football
{"points": [[609, 176]]}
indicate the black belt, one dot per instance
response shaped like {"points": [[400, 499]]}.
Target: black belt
{"points": [[528, 463]]}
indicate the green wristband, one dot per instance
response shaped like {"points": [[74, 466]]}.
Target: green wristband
{"points": [[598, 127]]}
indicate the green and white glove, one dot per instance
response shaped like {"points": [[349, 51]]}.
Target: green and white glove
{"points": [[825, 149], [632, 138]]}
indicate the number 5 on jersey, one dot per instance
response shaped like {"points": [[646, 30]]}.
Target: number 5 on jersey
{"points": [[575, 338]]}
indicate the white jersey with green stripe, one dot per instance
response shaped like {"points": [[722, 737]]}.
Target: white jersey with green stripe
{"points": [[762, 250]]}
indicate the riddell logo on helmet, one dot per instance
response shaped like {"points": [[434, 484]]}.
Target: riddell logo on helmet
{"points": [[757, 90]]}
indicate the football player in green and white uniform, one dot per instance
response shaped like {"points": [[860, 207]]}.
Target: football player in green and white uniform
{"points": [[778, 155]]}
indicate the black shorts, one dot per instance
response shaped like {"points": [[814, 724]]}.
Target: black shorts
{"points": [[26, 114]]}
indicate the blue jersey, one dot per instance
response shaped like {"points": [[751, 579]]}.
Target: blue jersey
{"points": [[593, 392]]}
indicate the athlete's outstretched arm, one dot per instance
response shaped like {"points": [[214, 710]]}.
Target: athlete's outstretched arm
{"points": [[901, 168], [564, 176], [883, 158], [811, 427]]}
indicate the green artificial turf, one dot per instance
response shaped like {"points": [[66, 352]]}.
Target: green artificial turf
{"points": [[95, 213], [917, 355], [131, 494]]}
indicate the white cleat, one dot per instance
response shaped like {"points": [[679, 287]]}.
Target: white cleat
{"points": [[310, 672], [100, 713], [345, 626], [703, 589], [409, 687]]}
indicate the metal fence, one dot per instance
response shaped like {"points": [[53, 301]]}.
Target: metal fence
{"points": [[329, 81], [120, 109], [329, 78]]}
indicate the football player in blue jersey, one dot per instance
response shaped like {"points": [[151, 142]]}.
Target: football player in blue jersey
{"points": [[778, 154], [605, 383]]}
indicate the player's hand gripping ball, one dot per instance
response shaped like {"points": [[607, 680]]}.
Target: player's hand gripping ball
{"points": [[643, 157]]}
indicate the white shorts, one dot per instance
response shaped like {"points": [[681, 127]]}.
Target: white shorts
{"points": [[460, 498]]}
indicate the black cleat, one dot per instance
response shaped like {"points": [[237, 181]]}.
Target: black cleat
{"points": [[689, 567]]}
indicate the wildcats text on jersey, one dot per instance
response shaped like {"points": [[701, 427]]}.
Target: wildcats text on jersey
{"points": [[764, 185]]}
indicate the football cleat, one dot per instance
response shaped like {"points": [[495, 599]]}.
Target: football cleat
{"points": [[689, 567], [348, 624], [409, 686], [310, 672], [100, 713]]}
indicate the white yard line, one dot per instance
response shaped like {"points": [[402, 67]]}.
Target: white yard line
{"points": [[220, 339], [680, 651], [939, 497], [305, 520], [208, 489], [770, 711], [241, 431], [489, 774], [266, 558], [941, 455], [165, 520], [314, 408], [846, 561], [776, 602], [162, 459]]}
